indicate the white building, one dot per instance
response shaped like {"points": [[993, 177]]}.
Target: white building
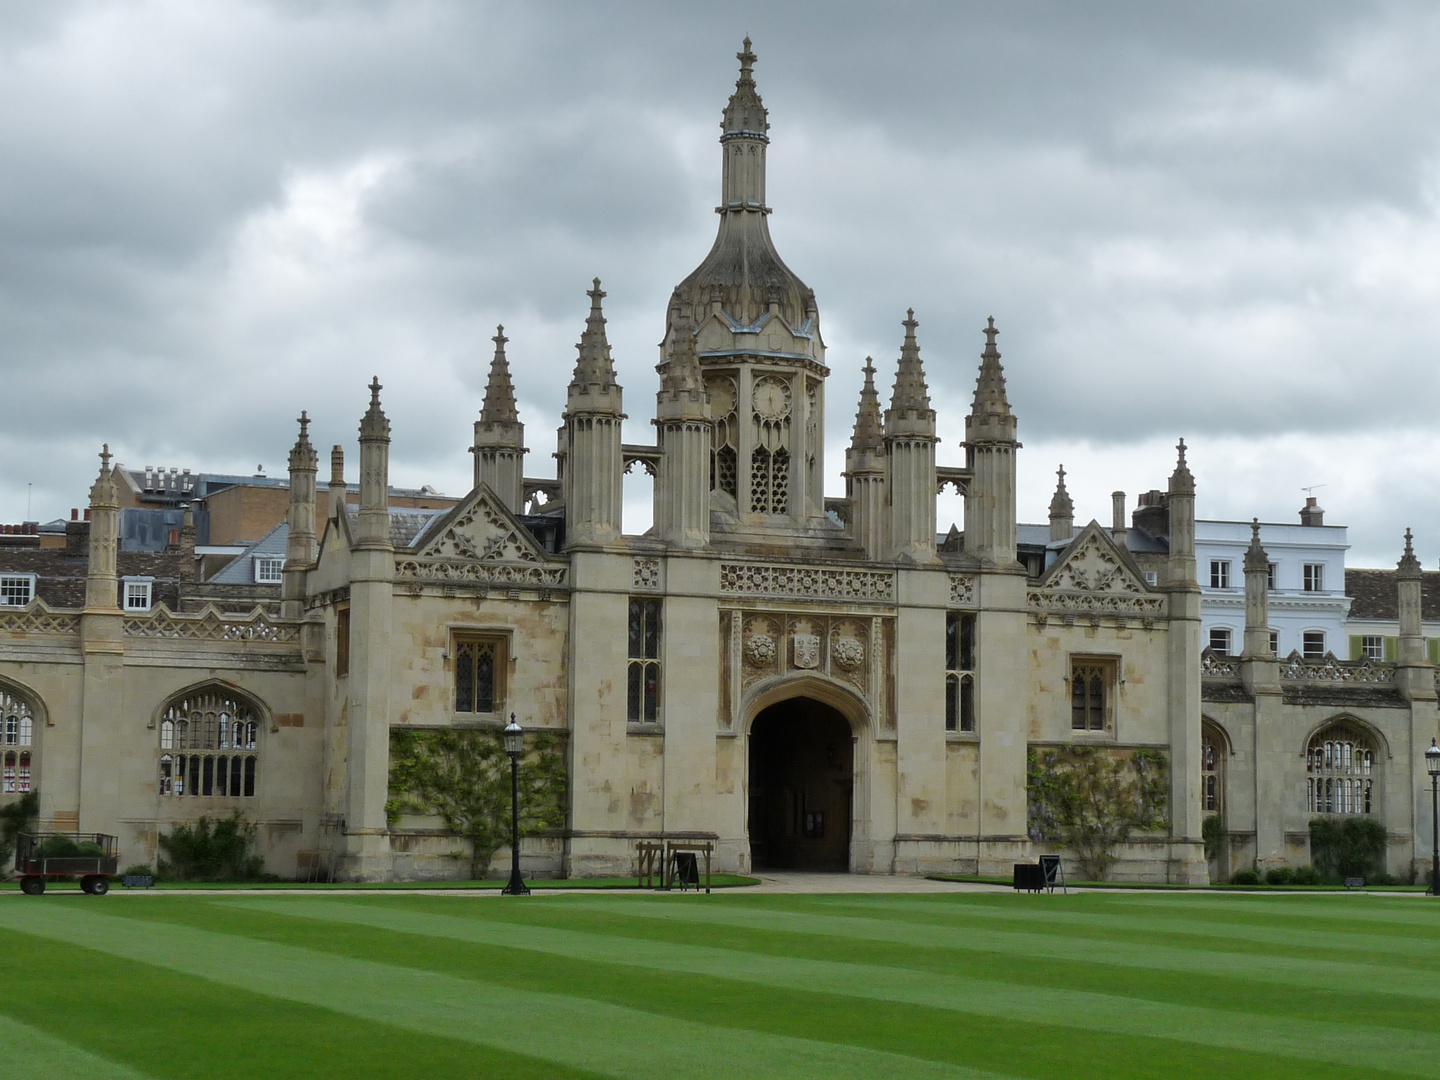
{"points": [[1308, 605]]}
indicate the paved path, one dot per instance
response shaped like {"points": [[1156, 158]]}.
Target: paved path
{"points": [[799, 881]]}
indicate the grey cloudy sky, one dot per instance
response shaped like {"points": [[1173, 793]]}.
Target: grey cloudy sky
{"points": [[1212, 220]]}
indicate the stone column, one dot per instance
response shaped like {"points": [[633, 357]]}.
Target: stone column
{"points": [[910, 449], [102, 641], [301, 546], [367, 840]]}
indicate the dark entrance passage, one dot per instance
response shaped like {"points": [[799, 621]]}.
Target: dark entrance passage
{"points": [[801, 781]]}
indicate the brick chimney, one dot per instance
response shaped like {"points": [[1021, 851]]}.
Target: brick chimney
{"points": [[1312, 513]]}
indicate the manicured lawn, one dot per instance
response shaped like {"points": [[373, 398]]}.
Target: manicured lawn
{"points": [[725, 986]]}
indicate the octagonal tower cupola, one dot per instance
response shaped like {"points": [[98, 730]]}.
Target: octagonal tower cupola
{"points": [[757, 339]]}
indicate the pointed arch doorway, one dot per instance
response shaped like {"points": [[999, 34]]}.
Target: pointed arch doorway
{"points": [[801, 789]]}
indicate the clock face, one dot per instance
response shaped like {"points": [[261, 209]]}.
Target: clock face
{"points": [[772, 398], [722, 396]]}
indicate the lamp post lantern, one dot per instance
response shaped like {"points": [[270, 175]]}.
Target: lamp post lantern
{"points": [[1432, 766], [515, 746]]}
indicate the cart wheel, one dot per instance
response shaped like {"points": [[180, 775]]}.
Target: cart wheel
{"points": [[99, 886], [87, 884], [32, 885]]}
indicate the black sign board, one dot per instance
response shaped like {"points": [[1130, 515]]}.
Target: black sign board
{"points": [[1053, 873]]}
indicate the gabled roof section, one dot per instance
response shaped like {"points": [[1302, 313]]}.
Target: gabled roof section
{"points": [[405, 524], [1093, 562], [479, 528], [241, 569]]}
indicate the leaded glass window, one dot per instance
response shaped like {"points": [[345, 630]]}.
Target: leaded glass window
{"points": [[643, 675], [476, 668], [960, 672], [208, 744]]}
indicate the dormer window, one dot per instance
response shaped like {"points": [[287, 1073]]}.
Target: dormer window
{"points": [[135, 593], [269, 570], [16, 590]]}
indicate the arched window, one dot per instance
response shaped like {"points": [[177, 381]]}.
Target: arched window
{"points": [[7, 774], [1212, 770], [210, 725], [1340, 771], [17, 720]]}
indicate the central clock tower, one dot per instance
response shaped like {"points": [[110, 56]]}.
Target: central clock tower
{"points": [[756, 334]]}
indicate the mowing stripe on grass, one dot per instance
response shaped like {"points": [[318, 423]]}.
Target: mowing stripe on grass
{"points": [[582, 1033], [30, 1052], [1410, 950], [1282, 970], [1408, 909], [1391, 1048]]}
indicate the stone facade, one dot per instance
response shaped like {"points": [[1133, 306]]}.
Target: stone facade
{"points": [[805, 681]]}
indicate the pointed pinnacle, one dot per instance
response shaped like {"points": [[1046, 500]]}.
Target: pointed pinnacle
{"points": [[910, 391], [593, 365], [375, 389], [499, 403], [105, 456], [990, 398], [869, 429], [1409, 565], [1061, 504]]}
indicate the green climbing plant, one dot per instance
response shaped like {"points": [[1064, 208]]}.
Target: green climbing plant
{"points": [[462, 776], [1090, 800], [16, 817]]}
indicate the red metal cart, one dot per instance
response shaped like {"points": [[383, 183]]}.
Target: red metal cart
{"points": [[46, 856]]}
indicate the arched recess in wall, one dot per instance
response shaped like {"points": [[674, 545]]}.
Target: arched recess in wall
{"points": [[21, 714], [209, 742], [782, 688], [1344, 768], [1215, 751]]}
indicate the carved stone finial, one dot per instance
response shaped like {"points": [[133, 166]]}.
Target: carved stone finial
{"points": [[105, 456], [304, 423], [1180, 446], [374, 425], [499, 407], [1257, 560], [1409, 565], [990, 397], [375, 389], [869, 434], [594, 368]]}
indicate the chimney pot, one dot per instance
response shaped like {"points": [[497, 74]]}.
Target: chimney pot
{"points": [[1117, 521], [74, 513], [87, 513]]}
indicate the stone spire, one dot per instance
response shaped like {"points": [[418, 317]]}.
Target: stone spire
{"points": [[869, 433], [301, 547], [682, 422], [745, 114], [499, 404], [101, 587], [865, 461], [909, 397], [990, 445], [1257, 595], [1181, 564], [1062, 510], [593, 463], [373, 522], [990, 415], [910, 445], [499, 436], [594, 370], [1412, 639]]}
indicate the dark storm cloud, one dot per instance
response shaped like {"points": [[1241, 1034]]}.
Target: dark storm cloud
{"points": [[1217, 220]]}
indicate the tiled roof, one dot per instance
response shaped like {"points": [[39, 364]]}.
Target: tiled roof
{"points": [[405, 524], [1373, 595], [241, 569]]}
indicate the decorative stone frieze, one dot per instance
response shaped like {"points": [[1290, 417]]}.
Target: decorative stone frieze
{"points": [[1053, 602], [487, 573], [768, 579], [1213, 666]]}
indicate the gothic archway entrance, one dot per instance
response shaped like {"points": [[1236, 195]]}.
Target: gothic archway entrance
{"points": [[802, 778]]}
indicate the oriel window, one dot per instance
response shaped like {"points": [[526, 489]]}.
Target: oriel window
{"points": [[959, 672], [644, 666]]}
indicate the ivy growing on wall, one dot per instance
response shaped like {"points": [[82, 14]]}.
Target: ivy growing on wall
{"points": [[462, 776], [1090, 799]]}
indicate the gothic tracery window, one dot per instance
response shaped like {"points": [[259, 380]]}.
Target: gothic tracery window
{"points": [[724, 437], [959, 672], [1090, 693], [770, 459], [643, 674], [1212, 772], [1340, 771], [17, 720], [479, 668], [208, 746]]}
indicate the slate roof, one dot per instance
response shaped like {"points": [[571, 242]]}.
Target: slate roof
{"points": [[60, 580], [405, 524], [241, 569], [1373, 595]]}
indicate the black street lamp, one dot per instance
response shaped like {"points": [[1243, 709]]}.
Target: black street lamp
{"points": [[515, 746], [1432, 766]]}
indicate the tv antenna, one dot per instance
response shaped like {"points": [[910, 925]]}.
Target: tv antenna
{"points": [[1310, 491]]}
